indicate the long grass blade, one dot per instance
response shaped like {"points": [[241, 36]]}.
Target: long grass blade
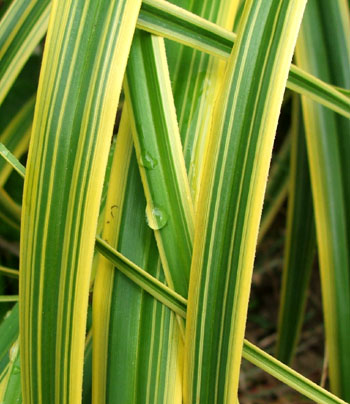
{"points": [[300, 245], [9, 298], [143, 279], [230, 203], [158, 148], [277, 369], [288, 376], [136, 339], [86, 50], [196, 32], [196, 78], [328, 145], [12, 160], [13, 273], [276, 188], [10, 211]]}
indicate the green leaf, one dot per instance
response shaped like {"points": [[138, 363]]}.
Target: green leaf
{"points": [[230, 203], [9, 298], [300, 244], [10, 211], [196, 80], [288, 376], [271, 365], [86, 51], [328, 145], [159, 153], [10, 384], [12, 160], [136, 338], [141, 277], [277, 187]]}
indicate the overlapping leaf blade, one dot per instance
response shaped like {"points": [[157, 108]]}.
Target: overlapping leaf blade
{"points": [[136, 338], [159, 153], [299, 247], [152, 341], [84, 60], [230, 202], [277, 187], [328, 145]]}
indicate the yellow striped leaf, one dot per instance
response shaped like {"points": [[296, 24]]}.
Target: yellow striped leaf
{"points": [[230, 202], [86, 50], [328, 145]]}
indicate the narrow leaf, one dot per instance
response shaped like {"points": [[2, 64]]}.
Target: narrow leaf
{"points": [[299, 247], [159, 152], [142, 278], [230, 203], [330, 176], [86, 50], [288, 376]]}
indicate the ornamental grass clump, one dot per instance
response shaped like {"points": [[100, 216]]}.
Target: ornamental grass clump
{"points": [[145, 147]]}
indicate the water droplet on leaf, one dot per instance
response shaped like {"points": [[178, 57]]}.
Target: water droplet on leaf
{"points": [[148, 161], [13, 351], [156, 218], [16, 370]]}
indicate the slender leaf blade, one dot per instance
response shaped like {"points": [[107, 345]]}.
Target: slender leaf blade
{"points": [[159, 153], [135, 356], [299, 247], [330, 180], [230, 202], [84, 60]]}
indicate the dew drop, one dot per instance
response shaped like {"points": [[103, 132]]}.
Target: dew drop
{"points": [[16, 370], [148, 161], [13, 351], [156, 218]]}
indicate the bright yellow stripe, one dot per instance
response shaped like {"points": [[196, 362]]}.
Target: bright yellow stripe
{"points": [[105, 273]]}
